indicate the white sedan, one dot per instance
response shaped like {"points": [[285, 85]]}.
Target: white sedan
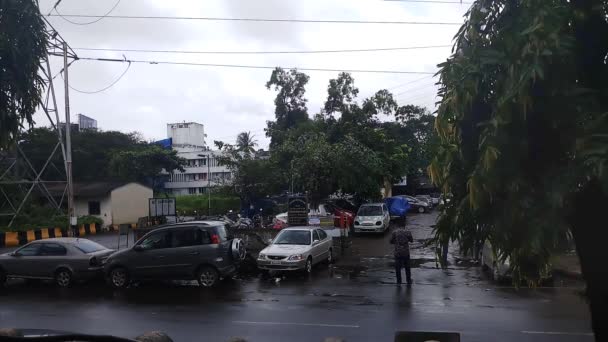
{"points": [[296, 248]]}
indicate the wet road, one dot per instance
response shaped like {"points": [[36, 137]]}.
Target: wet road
{"points": [[355, 303]]}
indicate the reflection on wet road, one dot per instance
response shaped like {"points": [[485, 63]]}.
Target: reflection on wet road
{"points": [[355, 299]]}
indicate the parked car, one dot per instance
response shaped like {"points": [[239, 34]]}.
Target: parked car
{"points": [[397, 207], [200, 250], [426, 198], [296, 248], [435, 198], [417, 205], [63, 260], [373, 217]]}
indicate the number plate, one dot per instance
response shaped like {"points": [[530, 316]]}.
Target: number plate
{"points": [[275, 262]]}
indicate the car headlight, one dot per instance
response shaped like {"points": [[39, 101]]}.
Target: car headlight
{"points": [[378, 223], [357, 223], [262, 256], [296, 257]]}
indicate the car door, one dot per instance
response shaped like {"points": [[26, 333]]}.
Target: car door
{"points": [[317, 247], [50, 257], [20, 262], [152, 259], [188, 248], [326, 243]]}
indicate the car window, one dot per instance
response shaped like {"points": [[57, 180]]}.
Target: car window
{"points": [[322, 234], [186, 237], [292, 237], [221, 231], [88, 246], [157, 240], [52, 249], [315, 235], [370, 210], [29, 250]]}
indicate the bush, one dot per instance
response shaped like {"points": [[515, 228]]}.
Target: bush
{"points": [[220, 204], [90, 219]]}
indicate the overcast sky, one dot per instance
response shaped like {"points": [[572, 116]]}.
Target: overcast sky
{"points": [[227, 100]]}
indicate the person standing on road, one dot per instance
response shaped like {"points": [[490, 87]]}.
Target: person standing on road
{"points": [[401, 239]]}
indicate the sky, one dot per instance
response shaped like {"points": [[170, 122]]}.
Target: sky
{"points": [[232, 100]]}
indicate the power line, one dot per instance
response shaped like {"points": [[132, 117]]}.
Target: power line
{"points": [[87, 23], [254, 66], [316, 21], [414, 89], [410, 82], [264, 52], [104, 88]]}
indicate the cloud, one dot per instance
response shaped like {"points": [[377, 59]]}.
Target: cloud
{"points": [[228, 101]]}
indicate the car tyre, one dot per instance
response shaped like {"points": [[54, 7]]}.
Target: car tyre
{"points": [[308, 266], [330, 256], [119, 278], [421, 210], [207, 276], [63, 277]]}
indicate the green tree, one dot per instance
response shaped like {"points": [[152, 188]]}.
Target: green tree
{"points": [[145, 164], [246, 143], [290, 103], [523, 149], [23, 45]]}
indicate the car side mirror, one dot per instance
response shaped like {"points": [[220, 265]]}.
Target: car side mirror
{"points": [[316, 242], [15, 254], [269, 241], [138, 248]]}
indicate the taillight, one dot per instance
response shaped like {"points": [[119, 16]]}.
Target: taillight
{"points": [[93, 261], [215, 239]]}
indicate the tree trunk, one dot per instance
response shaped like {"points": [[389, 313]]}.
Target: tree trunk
{"points": [[388, 188], [588, 224]]}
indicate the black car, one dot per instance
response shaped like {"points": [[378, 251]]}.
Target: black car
{"points": [[200, 250]]}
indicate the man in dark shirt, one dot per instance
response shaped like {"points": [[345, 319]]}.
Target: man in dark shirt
{"points": [[401, 239]]}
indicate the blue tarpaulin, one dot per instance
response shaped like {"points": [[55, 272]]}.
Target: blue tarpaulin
{"points": [[165, 143], [397, 206]]}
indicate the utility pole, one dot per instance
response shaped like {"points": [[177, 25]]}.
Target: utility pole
{"points": [[68, 143], [209, 180], [292, 176]]}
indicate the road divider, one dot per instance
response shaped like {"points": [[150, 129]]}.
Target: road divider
{"points": [[15, 239]]}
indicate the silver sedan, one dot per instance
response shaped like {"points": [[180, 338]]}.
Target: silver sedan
{"points": [[296, 248], [63, 260]]}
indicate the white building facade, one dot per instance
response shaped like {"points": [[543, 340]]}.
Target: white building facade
{"points": [[202, 169]]}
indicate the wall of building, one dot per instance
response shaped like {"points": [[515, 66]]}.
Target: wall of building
{"points": [[198, 176], [81, 208], [186, 134], [130, 202]]}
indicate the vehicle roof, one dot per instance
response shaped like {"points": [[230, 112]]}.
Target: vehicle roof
{"points": [[301, 228], [69, 240], [210, 223], [371, 204]]}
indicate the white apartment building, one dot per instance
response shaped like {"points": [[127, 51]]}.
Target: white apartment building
{"points": [[202, 169]]}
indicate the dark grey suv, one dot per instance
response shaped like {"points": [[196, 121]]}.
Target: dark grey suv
{"points": [[200, 250]]}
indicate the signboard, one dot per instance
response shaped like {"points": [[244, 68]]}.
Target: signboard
{"points": [[297, 212], [162, 206]]}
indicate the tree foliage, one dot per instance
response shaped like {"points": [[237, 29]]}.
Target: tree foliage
{"points": [[145, 164], [23, 45], [522, 125]]}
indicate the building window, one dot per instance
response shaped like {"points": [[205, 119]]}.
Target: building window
{"points": [[192, 191], [94, 208], [201, 190], [203, 162]]}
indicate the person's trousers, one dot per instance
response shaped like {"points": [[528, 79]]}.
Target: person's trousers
{"points": [[403, 262]]}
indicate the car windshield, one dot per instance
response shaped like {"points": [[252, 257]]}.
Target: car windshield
{"points": [[293, 237], [370, 210], [88, 246]]}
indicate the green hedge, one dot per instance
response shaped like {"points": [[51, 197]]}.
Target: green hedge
{"points": [[198, 204]]}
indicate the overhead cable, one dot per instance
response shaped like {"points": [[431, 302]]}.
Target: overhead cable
{"points": [[104, 88], [315, 21], [254, 66], [86, 23], [263, 52]]}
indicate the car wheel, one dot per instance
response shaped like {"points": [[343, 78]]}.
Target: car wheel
{"points": [[421, 209], [207, 276], [308, 267], [119, 278], [238, 250], [330, 256], [63, 277]]}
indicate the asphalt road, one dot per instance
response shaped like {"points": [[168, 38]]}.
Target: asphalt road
{"points": [[359, 303]]}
